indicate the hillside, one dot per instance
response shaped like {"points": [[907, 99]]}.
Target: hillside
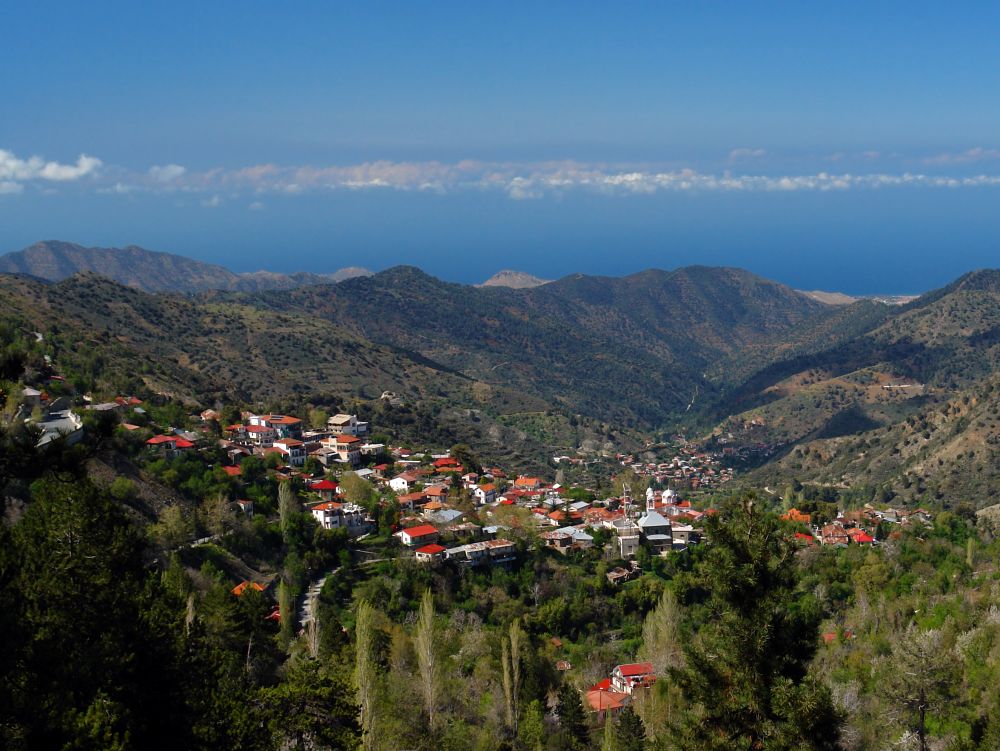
{"points": [[942, 342], [633, 349], [514, 280], [948, 453], [151, 271], [213, 349]]}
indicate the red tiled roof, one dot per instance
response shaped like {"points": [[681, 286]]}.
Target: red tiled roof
{"points": [[240, 588], [602, 701], [324, 485], [420, 530], [636, 668], [432, 549], [232, 471], [328, 506], [156, 440], [282, 419]]}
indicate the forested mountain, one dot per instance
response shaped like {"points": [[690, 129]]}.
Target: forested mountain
{"points": [[659, 350], [150, 271], [634, 349]]}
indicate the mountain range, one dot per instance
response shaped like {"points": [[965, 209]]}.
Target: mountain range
{"points": [[151, 271], [861, 392]]}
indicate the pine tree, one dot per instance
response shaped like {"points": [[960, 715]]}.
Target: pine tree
{"points": [[630, 733], [922, 676], [572, 719], [746, 667]]}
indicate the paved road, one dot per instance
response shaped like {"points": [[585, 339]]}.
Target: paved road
{"points": [[311, 595]]}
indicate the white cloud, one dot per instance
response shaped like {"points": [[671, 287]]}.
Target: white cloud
{"points": [[16, 171], [256, 206], [738, 154], [166, 173], [9, 186], [969, 156], [211, 203]]}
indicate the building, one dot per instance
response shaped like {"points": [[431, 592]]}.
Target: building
{"points": [[422, 534], [347, 425], [485, 494], [604, 701], [626, 678], [292, 449], [656, 531], [478, 553], [432, 552], [325, 489], [168, 446], [334, 515], [284, 426]]}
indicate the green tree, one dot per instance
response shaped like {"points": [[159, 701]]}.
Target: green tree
{"points": [[531, 731], [572, 718], [746, 667], [427, 662], [310, 709], [366, 671], [630, 733], [288, 506], [922, 675], [358, 490]]}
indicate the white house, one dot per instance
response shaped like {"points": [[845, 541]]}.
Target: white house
{"points": [[348, 425], [333, 515], [293, 449], [485, 494], [626, 678], [422, 534]]}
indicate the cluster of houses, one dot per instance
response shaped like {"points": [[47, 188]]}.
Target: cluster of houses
{"points": [[855, 527], [692, 467], [342, 444]]}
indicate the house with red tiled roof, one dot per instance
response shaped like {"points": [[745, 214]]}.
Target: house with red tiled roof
{"points": [[422, 534], [293, 451], [485, 494], [404, 482], [410, 500], [803, 539], [285, 426], [626, 678], [527, 483], [860, 537], [168, 445], [834, 534], [604, 701], [325, 489], [432, 552]]}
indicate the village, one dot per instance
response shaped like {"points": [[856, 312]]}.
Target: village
{"points": [[447, 511]]}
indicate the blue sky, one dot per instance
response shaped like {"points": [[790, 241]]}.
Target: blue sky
{"points": [[844, 147]]}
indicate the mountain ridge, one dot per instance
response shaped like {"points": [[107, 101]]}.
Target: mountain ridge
{"points": [[152, 271]]}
